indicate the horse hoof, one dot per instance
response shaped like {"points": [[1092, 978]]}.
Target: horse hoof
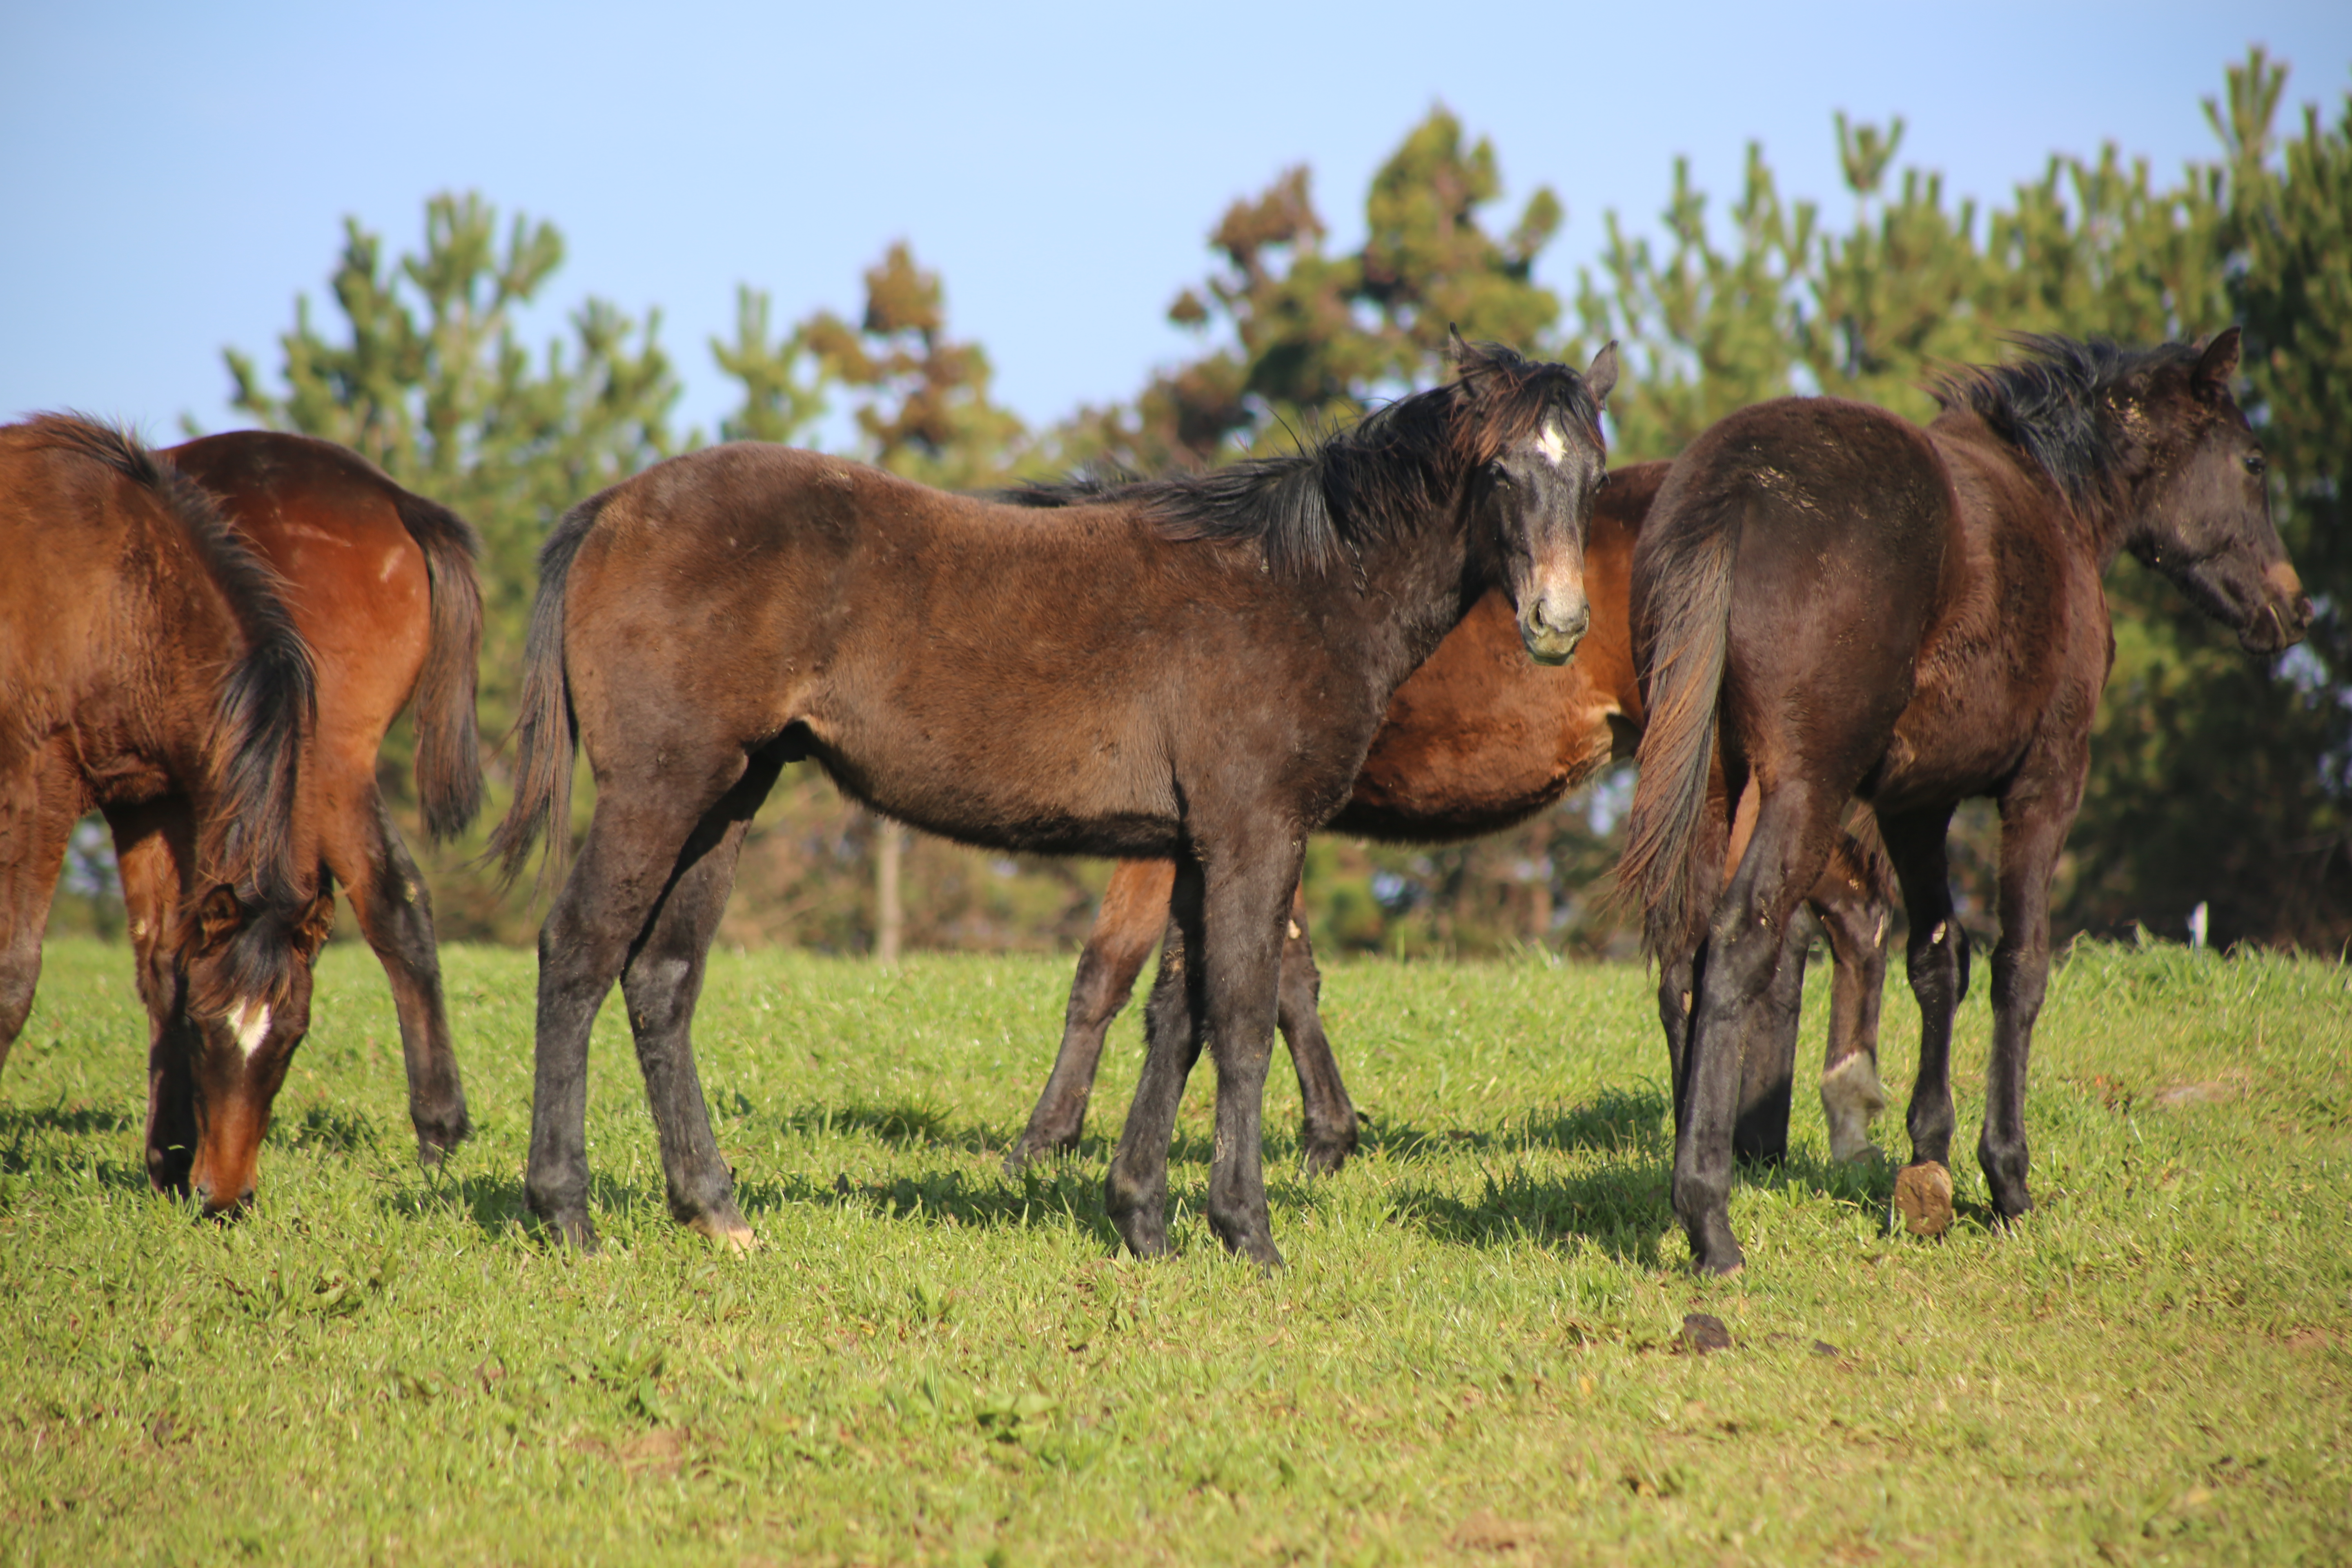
{"points": [[734, 1236], [1327, 1156], [1923, 1194]]}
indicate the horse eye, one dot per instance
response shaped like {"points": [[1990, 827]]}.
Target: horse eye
{"points": [[2256, 463]]}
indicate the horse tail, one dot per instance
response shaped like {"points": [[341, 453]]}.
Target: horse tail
{"points": [[448, 747], [546, 732], [1685, 632]]}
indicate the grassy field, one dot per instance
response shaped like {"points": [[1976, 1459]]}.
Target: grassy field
{"points": [[1472, 1355]]}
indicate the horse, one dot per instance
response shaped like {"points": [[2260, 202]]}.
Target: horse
{"points": [[380, 584], [1830, 602], [145, 654], [1188, 668], [1477, 739]]}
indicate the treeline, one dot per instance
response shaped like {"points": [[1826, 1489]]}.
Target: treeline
{"points": [[2215, 779]]}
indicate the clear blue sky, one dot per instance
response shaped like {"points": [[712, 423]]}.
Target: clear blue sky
{"points": [[172, 176]]}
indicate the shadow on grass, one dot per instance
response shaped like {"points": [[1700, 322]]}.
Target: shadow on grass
{"points": [[1062, 1194], [1622, 1210], [326, 1129], [80, 1122], [1628, 1122], [900, 1125]]}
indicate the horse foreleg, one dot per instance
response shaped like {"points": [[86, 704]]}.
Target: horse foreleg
{"points": [[396, 914], [152, 845], [1914, 842], [661, 983], [1855, 920], [1135, 1190], [1247, 901], [1327, 1116], [1134, 909], [2035, 815]]}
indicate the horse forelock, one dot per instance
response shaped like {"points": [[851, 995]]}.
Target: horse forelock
{"points": [[1507, 399], [2066, 405]]}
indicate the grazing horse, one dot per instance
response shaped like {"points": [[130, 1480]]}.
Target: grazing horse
{"points": [[1188, 669], [380, 584], [145, 654], [1478, 739], [1830, 601]]}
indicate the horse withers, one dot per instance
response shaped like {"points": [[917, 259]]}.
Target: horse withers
{"points": [[1479, 738], [145, 655], [1830, 601], [380, 584], [1188, 669]]}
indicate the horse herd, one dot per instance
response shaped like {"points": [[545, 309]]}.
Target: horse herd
{"points": [[1819, 629]]}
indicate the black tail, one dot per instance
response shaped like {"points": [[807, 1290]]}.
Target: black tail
{"points": [[448, 747], [1687, 562], [545, 734]]}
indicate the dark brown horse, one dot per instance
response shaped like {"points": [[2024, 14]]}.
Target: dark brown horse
{"points": [[145, 655], [1831, 602], [380, 584], [1188, 668], [1479, 738]]}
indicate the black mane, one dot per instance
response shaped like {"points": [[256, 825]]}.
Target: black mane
{"points": [[1357, 486], [2047, 405]]}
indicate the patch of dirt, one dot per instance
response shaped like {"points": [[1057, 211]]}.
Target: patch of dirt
{"points": [[1483, 1531], [1703, 1334], [1923, 1195], [2179, 1094]]}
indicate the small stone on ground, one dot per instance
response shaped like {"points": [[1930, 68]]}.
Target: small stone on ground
{"points": [[1703, 1333]]}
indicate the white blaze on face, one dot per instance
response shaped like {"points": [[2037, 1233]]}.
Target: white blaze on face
{"points": [[252, 1021], [1552, 444]]}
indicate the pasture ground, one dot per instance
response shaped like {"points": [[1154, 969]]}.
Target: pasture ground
{"points": [[1472, 1355]]}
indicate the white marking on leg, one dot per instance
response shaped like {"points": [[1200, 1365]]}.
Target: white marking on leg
{"points": [[1880, 934], [1851, 1096], [252, 1026], [1937, 935]]}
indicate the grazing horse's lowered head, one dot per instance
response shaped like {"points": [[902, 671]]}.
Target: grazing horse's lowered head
{"points": [[2152, 445]]}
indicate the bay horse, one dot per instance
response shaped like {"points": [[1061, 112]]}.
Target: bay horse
{"points": [[1830, 602], [380, 584], [1477, 739], [145, 654], [1188, 668]]}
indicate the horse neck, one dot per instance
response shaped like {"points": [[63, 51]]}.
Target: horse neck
{"points": [[1417, 585]]}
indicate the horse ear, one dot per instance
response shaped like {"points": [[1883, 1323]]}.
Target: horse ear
{"points": [[318, 922], [1457, 351], [1601, 379], [219, 915], [2217, 364]]}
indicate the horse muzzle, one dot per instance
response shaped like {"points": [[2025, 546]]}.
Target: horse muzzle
{"points": [[2284, 616], [1550, 627]]}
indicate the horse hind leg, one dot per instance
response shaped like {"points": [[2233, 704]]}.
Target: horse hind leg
{"points": [[644, 819], [1134, 909], [1327, 1118], [1746, 937], [661, 984], [1767, 1056], [41, 799], [396, 914]]}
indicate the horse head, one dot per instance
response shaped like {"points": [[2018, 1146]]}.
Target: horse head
{"points": [[248, 969], [1532, 432], [2204, 505]]}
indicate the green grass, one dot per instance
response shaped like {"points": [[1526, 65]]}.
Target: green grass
{"points": [[1470, 1355]]}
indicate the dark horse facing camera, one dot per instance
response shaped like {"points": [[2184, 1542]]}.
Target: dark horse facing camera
{"points": [[1916, 619], [1188, 669]]}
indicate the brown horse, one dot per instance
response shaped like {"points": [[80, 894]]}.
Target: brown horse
{"points": [[380, 584], [1189, 667], [1830, 602], [1479, 738], [144, 653]]}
